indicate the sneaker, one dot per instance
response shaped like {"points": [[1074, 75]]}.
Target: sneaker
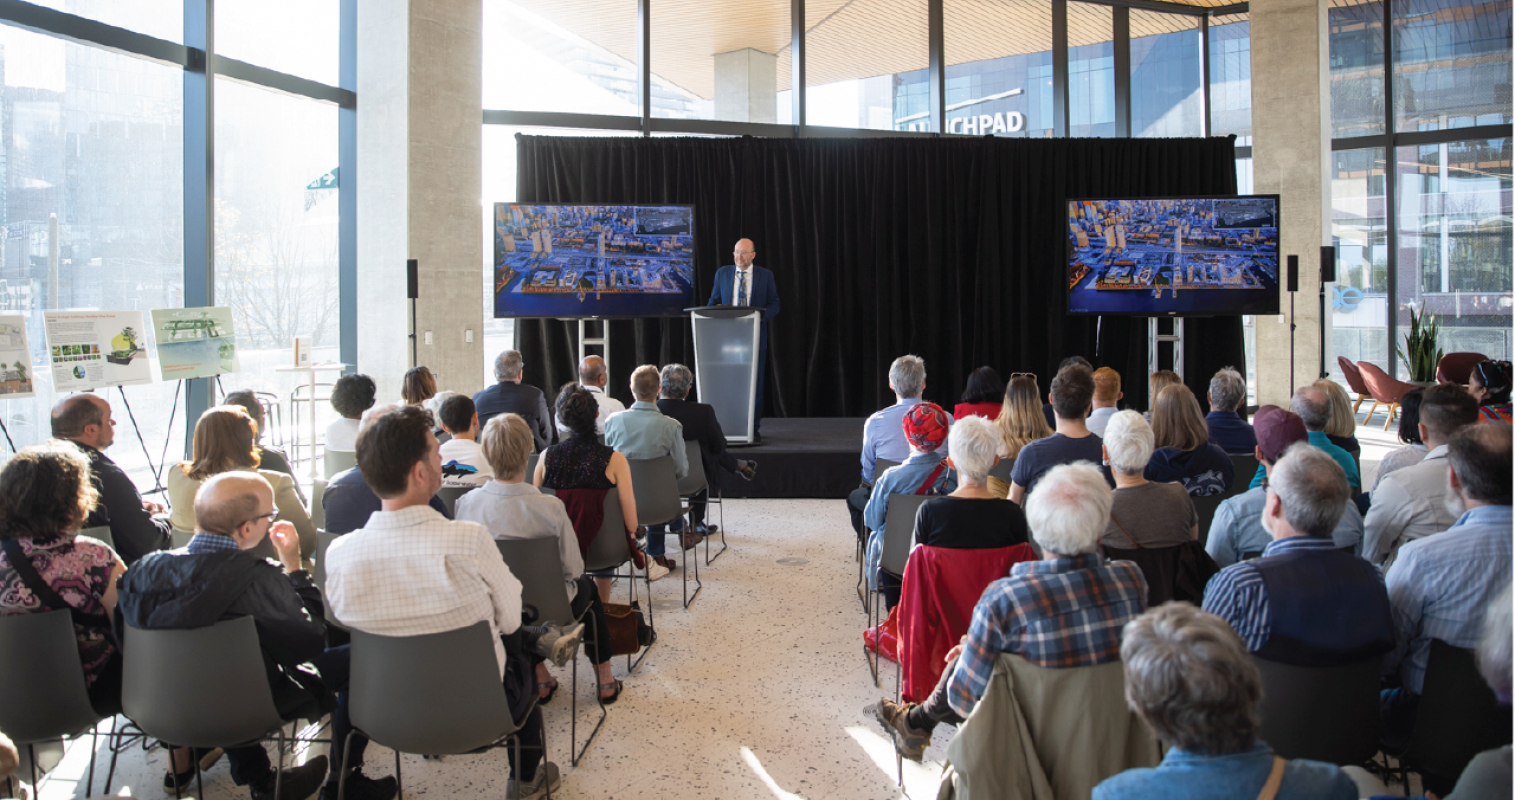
{"points": [[655, 570], [911, 742], [746, 469], [547, 779], [362, 787], [560, 643], [299, 782]]}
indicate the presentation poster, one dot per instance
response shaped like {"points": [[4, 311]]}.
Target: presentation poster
{"points": [[15, 359], [195, 342], [94, 349]]}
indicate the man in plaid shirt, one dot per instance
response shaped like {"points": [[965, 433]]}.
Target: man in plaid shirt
{"points": [[1066, 610]]}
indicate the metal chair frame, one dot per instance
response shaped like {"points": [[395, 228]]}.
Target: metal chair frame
{"points": [[608, 552], [659, 503], [695, 482], [899, 535]]}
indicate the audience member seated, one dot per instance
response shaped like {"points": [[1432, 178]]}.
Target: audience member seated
{"points": [[348, 501], [1228, 431], [510, 396], [214, 578], [411, 571], [1071, 395], [1489, 773], [1066, 610], [418, 386], [1237, 531], [226, 440], [351, 396], [433, 407], [511, 508], [1107, 395], [1156, 383], [1489, 383], [1414, 450], [1314, 407], [45, 495], [1047, 413], [982, 395], [463, 461], [269, 458], [1183, 451], [883, 436], [1190, 678], [1416, 502], [581, 471], [594, 377], [1275, 602], [136, 526], [700, 425], [643, 433], [1342, 427], [1020, 422], [924, 472], [1440, 585], [970, 518]]}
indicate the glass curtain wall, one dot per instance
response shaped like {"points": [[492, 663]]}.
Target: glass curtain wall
{"points": [[999, 68], [879, 87], [1166, 97], [1091, 70]]}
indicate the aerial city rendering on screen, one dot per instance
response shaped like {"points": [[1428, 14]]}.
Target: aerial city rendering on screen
{"points": [[1157, 257], [573, 261]]}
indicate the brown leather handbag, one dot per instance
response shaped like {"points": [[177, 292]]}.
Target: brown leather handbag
{"points": [[628, 629]]}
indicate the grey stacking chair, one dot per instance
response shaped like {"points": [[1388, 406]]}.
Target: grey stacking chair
{"points": [[1003, 469], [41, 653], [318, 573], [899, 535], [435, 694], [880, 465], [694, 483], [450, 495], [658, 503], [201, 687], [609, 552], [339, 461], [539, 566], [101, 532]]}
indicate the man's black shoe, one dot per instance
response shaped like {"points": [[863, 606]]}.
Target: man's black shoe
{"points": [[299, 782], [362, 787]]}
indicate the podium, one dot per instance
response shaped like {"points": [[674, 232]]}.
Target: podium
{"points": [[726, 340]]}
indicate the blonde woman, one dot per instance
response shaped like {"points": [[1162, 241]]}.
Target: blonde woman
{"points": [[1020, 422], [1342, 428], [1184, 453]]}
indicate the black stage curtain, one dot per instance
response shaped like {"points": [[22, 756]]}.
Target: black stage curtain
{"points": [[952, 249]]}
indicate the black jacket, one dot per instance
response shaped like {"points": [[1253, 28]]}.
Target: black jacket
{"points": [[177, 590], [509, 397], [135, 531], [701, 425]]}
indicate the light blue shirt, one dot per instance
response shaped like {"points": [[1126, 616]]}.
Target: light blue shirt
{"points": [[1234, 776], [903, 479], [1441, 585], [642, 433], [884, 436], [1340, 456], [1098, 419], [1237, 528]]}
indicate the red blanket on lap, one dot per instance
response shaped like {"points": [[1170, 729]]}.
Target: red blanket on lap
{"points": [[586, 508]]}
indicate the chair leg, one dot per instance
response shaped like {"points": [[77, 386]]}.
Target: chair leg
{"points": [[1371, 411], [94, 750], [342, 776], [31, 752], [1357, 405], [399, 781], [278, 773], [688, 598], [110, 772], [1393, 407]]}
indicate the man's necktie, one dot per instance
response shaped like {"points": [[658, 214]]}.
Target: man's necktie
{"points": [[741, 288]]}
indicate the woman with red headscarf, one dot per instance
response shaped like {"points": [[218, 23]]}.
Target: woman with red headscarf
{"points": [[924, 472]]}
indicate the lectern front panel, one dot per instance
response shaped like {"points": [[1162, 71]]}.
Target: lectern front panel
{"points": [[725, 354]]}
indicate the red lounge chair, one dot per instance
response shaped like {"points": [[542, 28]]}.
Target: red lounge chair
{"points": [[1456, 367], [1384, 389], [1354, 381]]}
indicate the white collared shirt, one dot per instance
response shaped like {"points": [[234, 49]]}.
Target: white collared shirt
{"points": [[413, 571], [1409, 504], [608, 405], [742, 276]]}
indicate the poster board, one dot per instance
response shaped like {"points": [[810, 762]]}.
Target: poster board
{"points": [[15, 359], [94, 349], [195, 342]]}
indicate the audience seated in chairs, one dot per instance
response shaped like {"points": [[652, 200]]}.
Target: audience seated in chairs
{"points": [[1066, 610], [348, 501], [925, 426], [700, 425], [1020, 422], [1342, 428], [1414, 450], [215, 578], [1489, 383], [1071, 396], [1183, 451], [643, 433], [969, 517], [412, 571], [45, 495], [511, 508], [1190, 678], [1275, 602], [1441, 585], [1228, 431], [350, 397], [1156, 383], [463, 461], [268, 457], [1107, 396], [510, 395], [1313, 406], [1237, 531], [594, 377], [418, 386], [226, 440], [433, 406], [581, 471], [1415, 502], [982, 395], [137, 527], [882, 435]]}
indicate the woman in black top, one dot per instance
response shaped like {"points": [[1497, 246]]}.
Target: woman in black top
{"points": [[971, 518]]}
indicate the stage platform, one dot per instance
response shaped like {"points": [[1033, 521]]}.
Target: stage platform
{"points": [[802, 457]]}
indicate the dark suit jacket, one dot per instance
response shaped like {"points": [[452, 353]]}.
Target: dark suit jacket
{"points": [[764, 292], [135, 531], [349, 502], [700, 425], [509, 397]]}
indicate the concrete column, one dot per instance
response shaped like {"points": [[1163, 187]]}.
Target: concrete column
{"points": [[746, 86], [419, 130], [1291, 149]]}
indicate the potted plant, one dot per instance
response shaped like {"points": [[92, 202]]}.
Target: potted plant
{"points": [[1420, 352]]}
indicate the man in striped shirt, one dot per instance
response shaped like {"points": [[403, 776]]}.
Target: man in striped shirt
{"points": [[1066, 610]]}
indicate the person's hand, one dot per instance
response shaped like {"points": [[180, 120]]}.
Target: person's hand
{"points": [[286, 542], [956, 650], [10, 758], [153, 508]]}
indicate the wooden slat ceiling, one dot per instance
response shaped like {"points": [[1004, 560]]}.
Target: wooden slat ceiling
{"points": [[846, 39]]}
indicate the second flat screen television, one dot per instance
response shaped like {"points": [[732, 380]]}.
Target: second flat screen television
{"points": [[593, 260], [1159, 257]]}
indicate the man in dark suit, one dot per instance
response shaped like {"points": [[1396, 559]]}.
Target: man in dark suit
{"points": [[745, 284], [510, 396], [700, 425], [136, 525]]}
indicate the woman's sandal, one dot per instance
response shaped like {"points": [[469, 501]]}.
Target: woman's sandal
{"points": [[552, 689], [605, 701]]}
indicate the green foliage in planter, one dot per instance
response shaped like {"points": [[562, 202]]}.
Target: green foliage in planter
{"points": [[1420, 353]]}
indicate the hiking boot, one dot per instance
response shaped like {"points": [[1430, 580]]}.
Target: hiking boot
{"points": [[746, 469], [911, 742]]}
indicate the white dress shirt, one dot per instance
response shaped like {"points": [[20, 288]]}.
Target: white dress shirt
{"points": [[413, 571], [743, 278], [521, 511], [342, 434], [1409, 504], [465, 453], [608, 405]]}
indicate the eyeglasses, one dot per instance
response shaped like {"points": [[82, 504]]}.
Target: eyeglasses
{"points": [[1031, 375], [273, 516]]}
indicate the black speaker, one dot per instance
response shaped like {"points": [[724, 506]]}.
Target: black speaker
{"points": [[413, 278], [1328, 264], [1293, 273]]}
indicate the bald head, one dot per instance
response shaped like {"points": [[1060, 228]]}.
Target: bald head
{"points": [[1313, 406], [592, 371], [229, 500], [744, 252], [83, 418]]}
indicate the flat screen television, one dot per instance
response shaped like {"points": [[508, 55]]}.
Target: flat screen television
{"points": [[593, 260], [1173, 256]]}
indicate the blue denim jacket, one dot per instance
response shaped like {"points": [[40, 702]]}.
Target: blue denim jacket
{"points": [[1237, 776], [903, 479]]}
